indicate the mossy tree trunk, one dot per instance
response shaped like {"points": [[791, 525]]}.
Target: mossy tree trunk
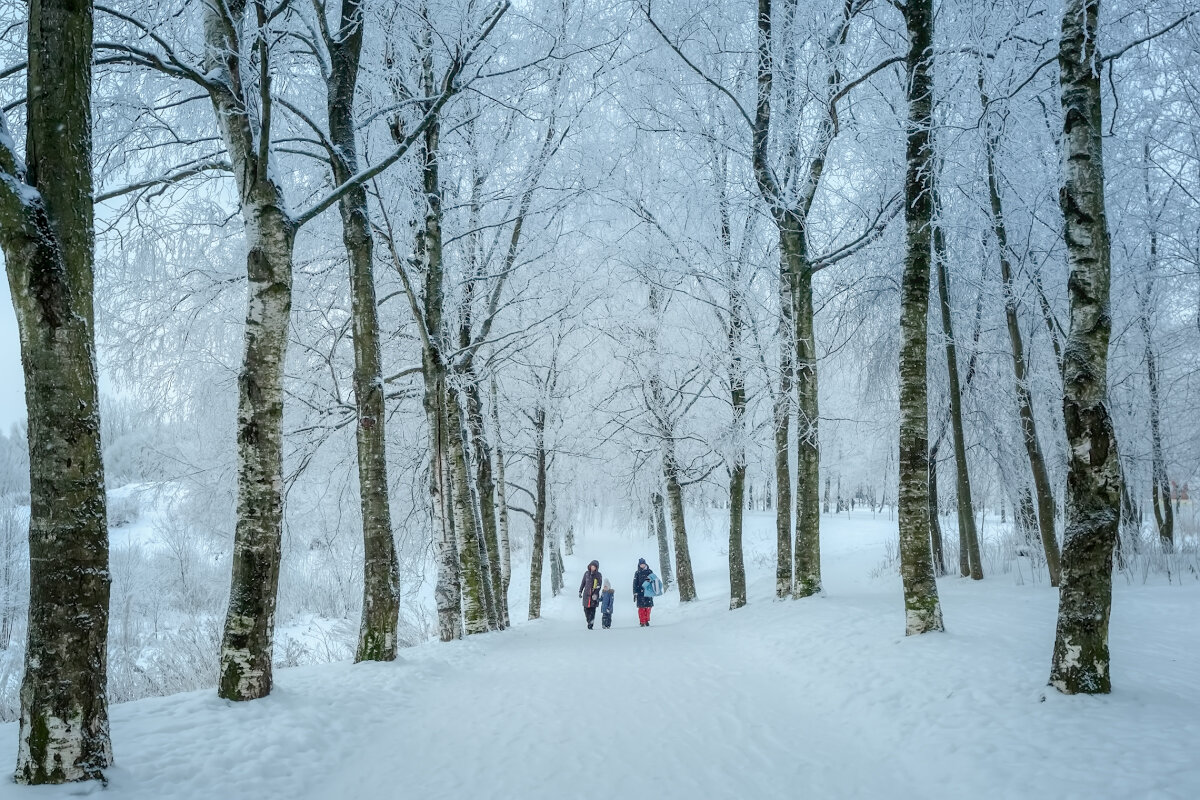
{"points": [[46, 233], [1080, 661]]}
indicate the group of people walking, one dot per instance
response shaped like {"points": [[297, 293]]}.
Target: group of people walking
{"points": [[597, 592]]}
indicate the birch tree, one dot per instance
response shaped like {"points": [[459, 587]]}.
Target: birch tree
{"points": [[46, 232], [923, 611], [1080, 660]]}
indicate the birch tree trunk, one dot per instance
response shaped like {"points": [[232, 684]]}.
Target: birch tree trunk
{"points": [[966, 513], [248, 641], [737, 472], [923, 611], [46, 234], [502, 508], [664, 546], [377, 636], [539, 515], [447, 591], [1080, 660], [1029, 434]]}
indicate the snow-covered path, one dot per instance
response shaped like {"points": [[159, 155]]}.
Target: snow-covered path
{"points": [[816, 698]]}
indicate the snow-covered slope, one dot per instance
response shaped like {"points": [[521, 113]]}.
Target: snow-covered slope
{"points": [[817, 698]]}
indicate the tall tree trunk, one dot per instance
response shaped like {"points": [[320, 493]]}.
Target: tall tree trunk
{"points": [[1029, 434], [923, 611], [1081, 661], [502, 508], [664, 545], [808, 454], [1164, 517], [466, 533], [783, 417], [446, 592], [448, 589], [539, 515], [248, 641], [737, 472], [935, 527], [683, 561], [46, 234], [966, 512], [377, 635]]}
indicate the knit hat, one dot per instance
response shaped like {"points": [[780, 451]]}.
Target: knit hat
{"points": [[642, 561], [606, 586]]}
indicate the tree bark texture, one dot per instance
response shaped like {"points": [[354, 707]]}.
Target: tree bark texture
{"points": [[923, 612], [46, 232], [737, 471], [1080, 661], [377, 636]]}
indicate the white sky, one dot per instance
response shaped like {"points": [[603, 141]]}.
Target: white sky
{"points": [[12, 383]]}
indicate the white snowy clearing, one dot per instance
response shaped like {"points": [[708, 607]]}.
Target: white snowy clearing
{"points": [[820, 698]]}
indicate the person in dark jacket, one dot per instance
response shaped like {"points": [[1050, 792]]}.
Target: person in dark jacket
{"points": [[643, 601], [589, 590], [607, 596]]}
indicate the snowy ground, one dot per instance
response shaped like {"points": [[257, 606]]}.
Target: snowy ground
{"points": [[817, 698]]}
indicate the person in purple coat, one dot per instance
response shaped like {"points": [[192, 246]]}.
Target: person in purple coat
{"points": [[589, 591]]}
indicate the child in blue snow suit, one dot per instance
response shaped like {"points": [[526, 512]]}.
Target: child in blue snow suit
{"points": [[607, 595]]}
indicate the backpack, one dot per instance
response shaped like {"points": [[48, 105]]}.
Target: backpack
{"points": [[652, 586]]}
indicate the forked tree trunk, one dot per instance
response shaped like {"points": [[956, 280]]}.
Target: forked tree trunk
{"points": [[47, 239], [923, 611], [1029, 434], [248, 641], [1081, 660], [966, 512], [377, 635]]}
